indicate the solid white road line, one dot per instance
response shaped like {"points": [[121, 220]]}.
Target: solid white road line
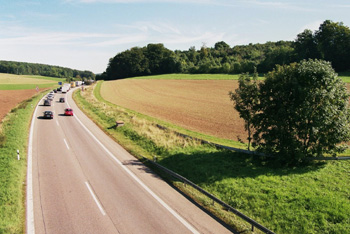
{"points": [[176, 215], [95, 198], [30, 201], [66, 143]]}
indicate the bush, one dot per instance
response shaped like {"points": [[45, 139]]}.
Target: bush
{"points": [[302, 111]]}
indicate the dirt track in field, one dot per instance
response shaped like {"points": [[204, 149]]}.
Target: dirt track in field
{"points": [[198, 105], [10, 98]]}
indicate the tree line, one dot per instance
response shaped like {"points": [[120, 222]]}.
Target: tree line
{"points": [[331, 42], [22, 68]]}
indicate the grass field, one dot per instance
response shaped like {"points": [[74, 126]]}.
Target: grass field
{"points": [[345, 76], [18, 82], [309, 199], [25, 79], [17, 95], [193, 77], [14, 135], [14, 89]]}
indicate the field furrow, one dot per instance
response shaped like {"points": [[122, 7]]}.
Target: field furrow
{"points": [[198, 105]]}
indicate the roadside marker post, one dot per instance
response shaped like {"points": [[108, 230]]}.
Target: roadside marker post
{"points": [[18, 158]]}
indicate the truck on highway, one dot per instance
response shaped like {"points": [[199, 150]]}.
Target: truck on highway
{"points": [[78, 83], [65, 88]]}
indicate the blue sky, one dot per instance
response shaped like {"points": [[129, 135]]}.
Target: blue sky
{"points": [[85, 34]]}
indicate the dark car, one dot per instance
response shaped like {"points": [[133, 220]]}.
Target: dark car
{"points": [[47, 102], [55, 91], [68, 112], [62, 99], [48, 115]]}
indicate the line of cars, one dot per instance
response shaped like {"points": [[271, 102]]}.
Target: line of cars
{"points": [[47, 102]]}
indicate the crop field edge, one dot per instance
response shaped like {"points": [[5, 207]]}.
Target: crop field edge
{"points": [[174, 127], [15, 127], [26, 86], [345, 76], [34, 77], [269, 178]]}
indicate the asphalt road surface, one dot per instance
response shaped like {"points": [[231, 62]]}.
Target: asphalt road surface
{"points": [[84, 182]]}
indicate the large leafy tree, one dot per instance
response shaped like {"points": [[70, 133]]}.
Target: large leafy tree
{"points": [[150, 60], [131, 62], [330, 42], [334, 43], [245, 100], [302, 111], [306, 45]]}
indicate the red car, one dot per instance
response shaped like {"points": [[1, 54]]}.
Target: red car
{"points": [[68, 112]]}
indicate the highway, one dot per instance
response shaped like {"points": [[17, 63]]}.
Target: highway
{"points": [[84, 182]]}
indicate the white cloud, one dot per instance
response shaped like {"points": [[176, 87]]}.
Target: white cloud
{"points": [[279, 4], [313, 26], [145, 1], [93, 50]]}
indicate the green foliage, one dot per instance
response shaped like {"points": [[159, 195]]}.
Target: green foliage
{"points": [[245, 100], [21, 68], [302, 111], [153, 59], [331, 42], [312, 199], [306, 199]]}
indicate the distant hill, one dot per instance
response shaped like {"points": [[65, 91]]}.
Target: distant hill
{"points": [[22, 68]]}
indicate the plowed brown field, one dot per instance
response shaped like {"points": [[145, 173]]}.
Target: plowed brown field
{"points": [[10, 98], [198, 105]]}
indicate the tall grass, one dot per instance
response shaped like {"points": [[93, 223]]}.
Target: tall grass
{"points": [[14, 132], [309, 199]]}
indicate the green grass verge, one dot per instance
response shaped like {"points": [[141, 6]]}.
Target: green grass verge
{"points": [[26, 86], [344, 76], [13, 136], [193, 77], [309, 199]]}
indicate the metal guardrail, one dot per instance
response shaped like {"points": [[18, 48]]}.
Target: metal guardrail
{"points": [[215, 199]]}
